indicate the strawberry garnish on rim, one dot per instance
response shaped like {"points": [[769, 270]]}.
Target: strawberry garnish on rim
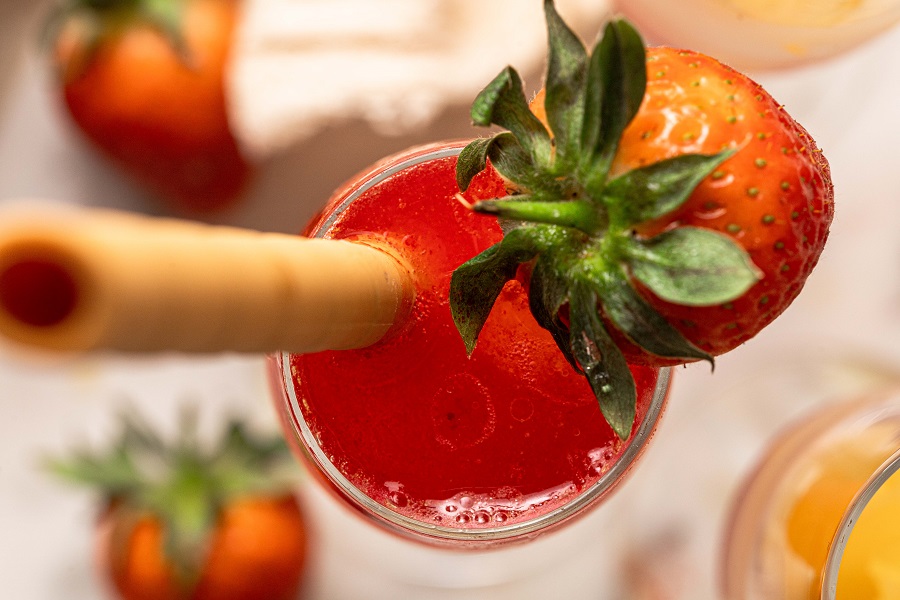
{"points": [[600, 276]]}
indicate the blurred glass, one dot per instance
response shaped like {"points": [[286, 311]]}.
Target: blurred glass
{"points": [[762, 34], [817, 518]]}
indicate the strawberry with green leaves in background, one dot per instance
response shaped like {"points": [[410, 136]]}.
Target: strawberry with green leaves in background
{"points": [[144, 80], [662, 208], [186, 523]]}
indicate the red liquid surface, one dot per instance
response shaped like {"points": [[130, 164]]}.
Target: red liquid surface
{"points": [[499, 437]]}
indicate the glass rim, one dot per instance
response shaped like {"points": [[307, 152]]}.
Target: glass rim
{"points": [[420, 529], [848, 521], [417, 154], [744, 571]]}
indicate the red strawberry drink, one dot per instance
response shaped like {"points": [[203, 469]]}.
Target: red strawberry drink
{"points": [[422, 437]]}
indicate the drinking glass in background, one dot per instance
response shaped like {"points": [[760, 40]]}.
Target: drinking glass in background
{"points": [[818, 517], [762, 34]]}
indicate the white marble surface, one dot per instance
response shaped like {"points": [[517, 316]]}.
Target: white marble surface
{"points": [[842, 335]]}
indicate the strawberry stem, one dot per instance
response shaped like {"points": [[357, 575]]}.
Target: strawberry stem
{"points": [[577, 214]]}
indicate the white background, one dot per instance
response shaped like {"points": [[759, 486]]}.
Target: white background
{"points": [[841, 336]]}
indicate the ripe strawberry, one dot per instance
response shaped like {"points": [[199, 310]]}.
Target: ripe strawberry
{"points": [[183, 524], [144, 81], [665, 207], [774, 197]]}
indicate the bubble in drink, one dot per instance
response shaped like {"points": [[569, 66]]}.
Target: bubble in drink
{"points": [[463, 413]]}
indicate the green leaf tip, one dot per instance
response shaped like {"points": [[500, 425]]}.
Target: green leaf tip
{"points": [[564, 87], [503, 103], [602, 362], [476, 284], [652, 191]]}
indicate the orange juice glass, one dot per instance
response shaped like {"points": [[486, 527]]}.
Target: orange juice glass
{"points": [[819, 518]]}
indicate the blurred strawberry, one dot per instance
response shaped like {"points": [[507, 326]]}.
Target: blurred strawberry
{"points": [[144, 81], [181, 523]]}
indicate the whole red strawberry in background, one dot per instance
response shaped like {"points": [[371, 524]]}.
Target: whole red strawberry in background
{"points": [[144, 81], [185, 522], [663, 207]]}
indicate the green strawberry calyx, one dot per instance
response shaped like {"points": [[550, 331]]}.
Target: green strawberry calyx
{"points": [[574, 223], [182, 483], [99, 20]]}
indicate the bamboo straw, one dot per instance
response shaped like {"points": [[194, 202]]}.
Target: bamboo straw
{"points": [[88, 279]]}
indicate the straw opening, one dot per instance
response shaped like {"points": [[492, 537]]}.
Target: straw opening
{"points": [[37, 290]]}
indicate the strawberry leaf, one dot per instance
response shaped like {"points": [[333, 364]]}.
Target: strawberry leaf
{"points": [[602, 362], [139, 439], [508, 158], [473, 159], [167, 17], [564, 86], [100, 19], [549, 292], [188, 512], [240, 447], [476, 284], [114, 473], [634, 317], [616, 80], [503, 103], [659, 188], [692, 266]]}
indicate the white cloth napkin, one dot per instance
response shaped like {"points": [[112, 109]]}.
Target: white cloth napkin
{"points": [[300, 65]]}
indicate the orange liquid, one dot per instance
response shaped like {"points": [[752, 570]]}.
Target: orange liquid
{"points": [[871, 564], [870, 567]]}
